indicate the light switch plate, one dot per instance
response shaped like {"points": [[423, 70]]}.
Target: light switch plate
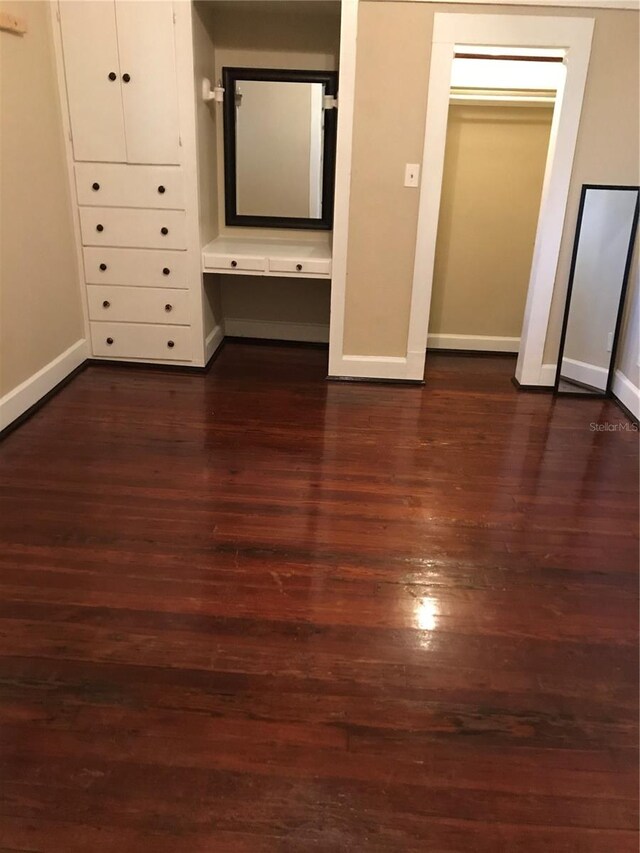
{"points": [[412, 175]]}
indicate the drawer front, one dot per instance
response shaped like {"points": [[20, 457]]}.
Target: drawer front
{"points": [[121, 185], [138, 304], [139, 267], [120, 226], [229, 263], [131, 340], [313, 266]]}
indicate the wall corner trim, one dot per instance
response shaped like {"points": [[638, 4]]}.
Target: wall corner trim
{"points": [[627, 393], [344, 147], [17, 401], [212, 342], [548, 375]]}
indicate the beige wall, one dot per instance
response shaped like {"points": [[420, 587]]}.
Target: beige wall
{"points": [[494, 166], [608, 146], [394, 52], [40, 308], [276, 300]]}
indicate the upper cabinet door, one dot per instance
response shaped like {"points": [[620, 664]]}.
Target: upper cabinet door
{"points": [[93, 80], [149, 84]]}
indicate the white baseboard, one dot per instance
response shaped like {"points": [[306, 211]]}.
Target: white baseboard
{"points": [[548, 374], [627, 393], [623, 389], [277, 331], [27, 394], [584, 373], [401, 368], [212, 342], [482, 343]]}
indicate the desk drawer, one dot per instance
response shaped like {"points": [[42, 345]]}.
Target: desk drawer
{"points": [[319, 266], [237, 263], [138, 304], [120, 226], [133, 340], [121, 185], [139, 267]]}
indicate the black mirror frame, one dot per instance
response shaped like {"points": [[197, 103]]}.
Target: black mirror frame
{"points": [[596, 394], [330, 81]]}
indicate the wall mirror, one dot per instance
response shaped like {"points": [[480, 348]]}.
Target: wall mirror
{"points": [[607, 224], [279, 148]]}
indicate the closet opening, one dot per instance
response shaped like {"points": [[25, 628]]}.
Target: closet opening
{"points": [[503, 35], [502, 102]]}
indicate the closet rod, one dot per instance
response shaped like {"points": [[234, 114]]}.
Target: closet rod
{"points": [[508, 56]]}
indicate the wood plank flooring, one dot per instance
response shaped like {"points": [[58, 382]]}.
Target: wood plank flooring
{"points": [[255, 611]]}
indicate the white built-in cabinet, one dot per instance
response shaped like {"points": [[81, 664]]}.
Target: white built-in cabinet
{"points": [[120, 69], [132, 168], [147, 235]]}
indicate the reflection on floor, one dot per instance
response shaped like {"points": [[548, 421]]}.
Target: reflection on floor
{"points": [[256, 611]]}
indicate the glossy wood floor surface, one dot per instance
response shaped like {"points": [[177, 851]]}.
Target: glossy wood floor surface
{"points": [[256, 611]]}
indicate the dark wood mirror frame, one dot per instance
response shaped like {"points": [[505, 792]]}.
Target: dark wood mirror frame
{"points": [[330, 81], [623, 292]]}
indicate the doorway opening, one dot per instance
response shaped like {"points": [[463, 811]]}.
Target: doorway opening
{"points": [[497, 142], [511, 45]]}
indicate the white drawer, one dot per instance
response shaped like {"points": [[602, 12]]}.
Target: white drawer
{"points": [[132, 340], [121, 185], [138, 304], [140, 267], [301, 265], [239, 263], [120, 226]]}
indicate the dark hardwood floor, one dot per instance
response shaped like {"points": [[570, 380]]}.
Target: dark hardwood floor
{"points": [[256, 611]]}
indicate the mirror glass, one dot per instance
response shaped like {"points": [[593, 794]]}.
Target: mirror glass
{"points": [[602, 254], [279, 148]]}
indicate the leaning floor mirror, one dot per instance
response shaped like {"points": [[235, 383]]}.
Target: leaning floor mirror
{"points": [[602, 253]]}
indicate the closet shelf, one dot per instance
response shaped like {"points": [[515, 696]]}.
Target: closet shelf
{"points": [[285, 259]]}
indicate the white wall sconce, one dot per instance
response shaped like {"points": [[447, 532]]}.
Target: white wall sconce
{"points": [[208, 94]]}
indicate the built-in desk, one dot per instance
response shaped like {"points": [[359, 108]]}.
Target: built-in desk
{"points": [[290, 259]]}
